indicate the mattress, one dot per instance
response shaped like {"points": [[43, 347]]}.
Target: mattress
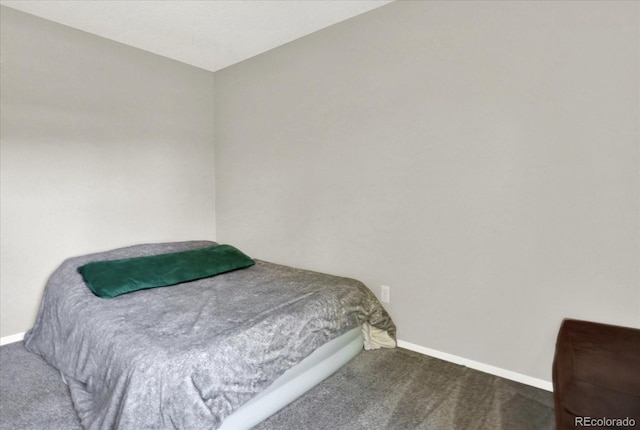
{"points": [[191, 355], [321, 364]]}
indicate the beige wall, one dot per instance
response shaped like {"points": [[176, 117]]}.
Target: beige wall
{"points": [[102, 145], [481, 158]]}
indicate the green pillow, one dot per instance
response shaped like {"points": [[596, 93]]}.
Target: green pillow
{"points": [[115, 277]]}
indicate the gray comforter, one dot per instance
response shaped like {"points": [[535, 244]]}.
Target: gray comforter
{"points": [[188, 355]]}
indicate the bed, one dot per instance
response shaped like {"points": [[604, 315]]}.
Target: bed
{"points": [[223, 351]]}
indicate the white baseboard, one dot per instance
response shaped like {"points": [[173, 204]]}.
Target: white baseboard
{"points": [[11, 339], [507, 374]]}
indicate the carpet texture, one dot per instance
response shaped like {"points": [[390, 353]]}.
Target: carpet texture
{"points": [[384, 389], [32, 394]]}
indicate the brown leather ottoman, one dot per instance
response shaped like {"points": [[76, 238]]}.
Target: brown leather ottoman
{"points": [[596, 376]]}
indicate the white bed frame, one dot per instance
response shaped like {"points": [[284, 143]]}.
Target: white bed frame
{"points": [[296, 381]]}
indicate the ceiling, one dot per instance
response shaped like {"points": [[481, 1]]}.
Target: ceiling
{"points": [[210, 34]]}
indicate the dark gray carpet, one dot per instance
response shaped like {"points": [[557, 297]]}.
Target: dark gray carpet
{"points": [[32, 395], [385, 389]]}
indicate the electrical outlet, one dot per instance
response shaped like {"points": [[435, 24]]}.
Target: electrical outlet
{"points": [[385, 294]]}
